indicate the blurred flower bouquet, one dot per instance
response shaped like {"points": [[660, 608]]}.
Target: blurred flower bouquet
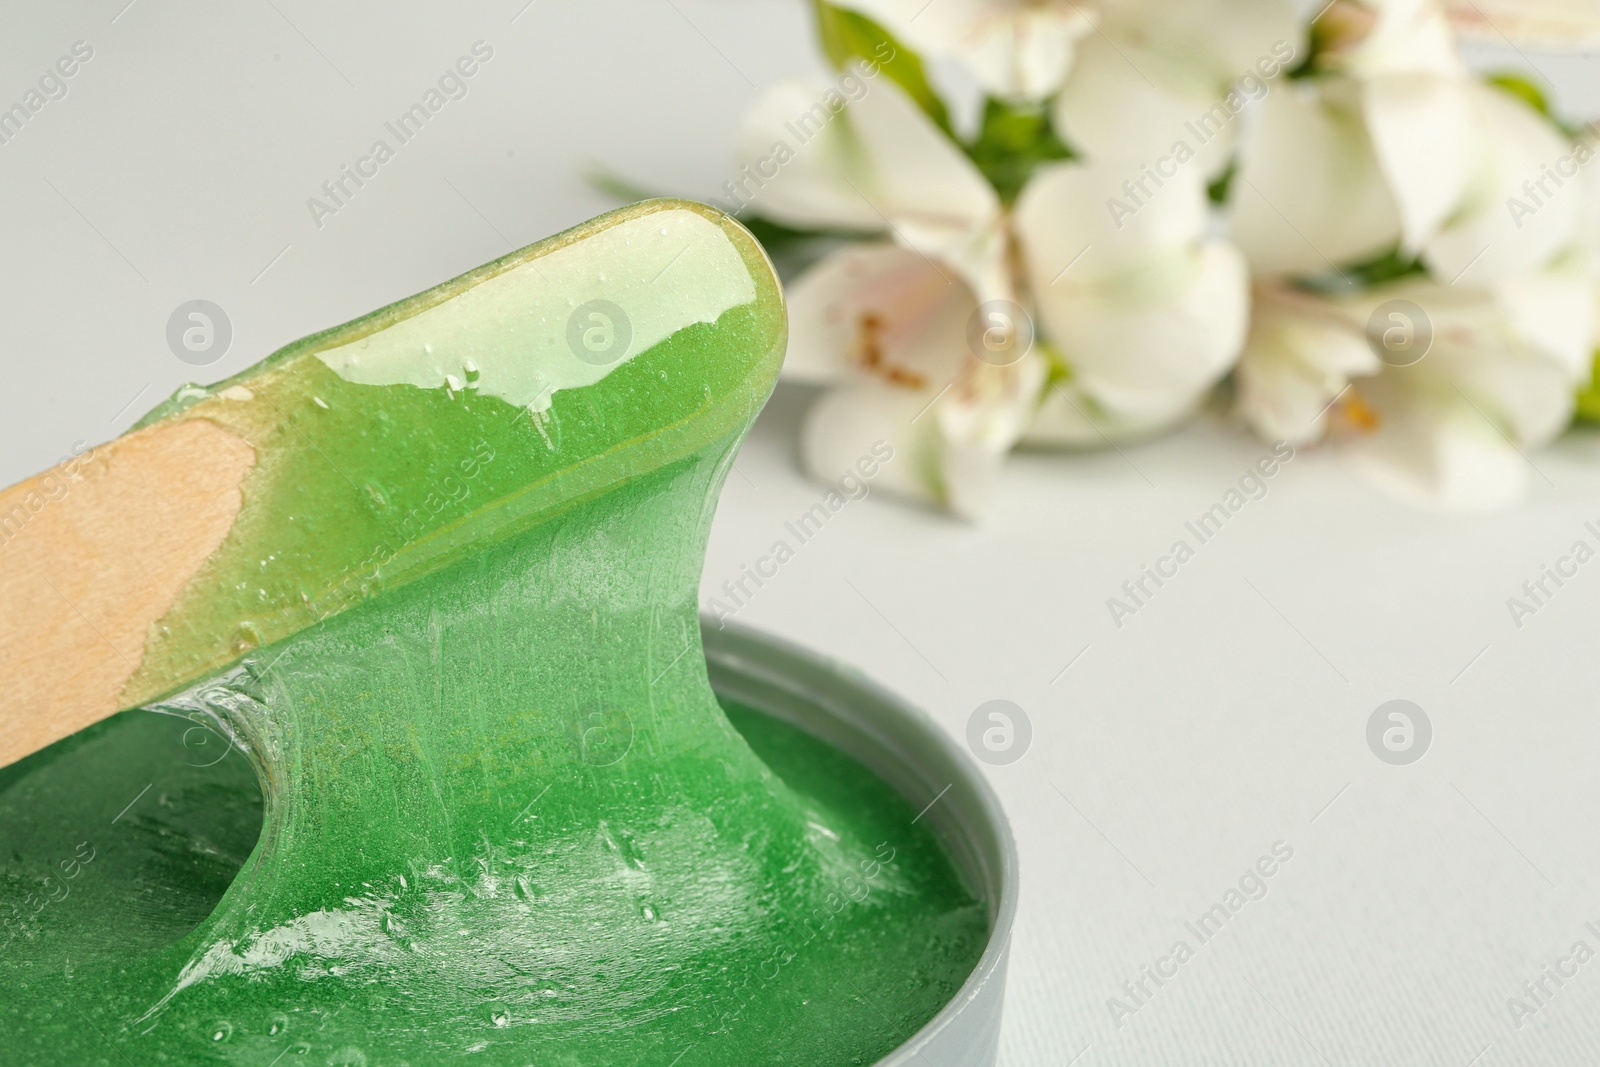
{"points": [[1069, 223]]}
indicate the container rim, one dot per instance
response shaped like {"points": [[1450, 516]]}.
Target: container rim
{"points": [[907, 748]]}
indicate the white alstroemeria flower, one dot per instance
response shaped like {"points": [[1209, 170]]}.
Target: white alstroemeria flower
{"points": [[1172, 77], [1413, 90], [1451, 429], [886, 329], [1523, 202], [886, 322], [1375, 149], [1148, 316], [1143, 309], [1017, 50], [876, 163], [1301, 353], [1310, 193], [1395, 142]]}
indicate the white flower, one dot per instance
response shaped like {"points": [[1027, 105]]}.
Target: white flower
{"points": [[877, 164], [1394, 147], [1310, 194], [1140, 312], [1395, 144], [1017, 49], [1374, 150], [1145, 311], [1382, 191], [1301, 353], [886, 329], [886, 322], [1521, 206], [1161, 72], [1452, 429]]}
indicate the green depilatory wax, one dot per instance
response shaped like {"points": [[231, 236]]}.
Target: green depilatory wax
{"points": [[452, 670]]}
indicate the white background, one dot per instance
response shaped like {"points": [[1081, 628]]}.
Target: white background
{"points": [[1227, 715]]}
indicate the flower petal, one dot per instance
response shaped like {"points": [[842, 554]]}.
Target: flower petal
{"points": [[1377, 37], [1555, 311], [1423, 131], [1017, 51], [805, 184], [1310, 194], [869, 163], [1520, 210], [948, 446], [1069, 417], [844, 424], [1111, 107], [877, 310], [1436, 450], [1455, 427], [1301, 353], [1226, 37], [981, 419], [1147, 317]]}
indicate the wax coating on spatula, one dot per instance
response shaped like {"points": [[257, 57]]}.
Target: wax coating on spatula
{"points": [[454, 627]]}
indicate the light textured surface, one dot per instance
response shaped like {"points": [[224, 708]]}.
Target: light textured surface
{"points": [[1227, 715]]}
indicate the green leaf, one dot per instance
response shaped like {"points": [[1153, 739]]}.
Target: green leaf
{"points": [[777, 237], [1391, 266], [848, 35], [1525, 89], [1015, 140], [1533, 94], [1588, 406], [1217, 191], [794, 250], [624, 190]]}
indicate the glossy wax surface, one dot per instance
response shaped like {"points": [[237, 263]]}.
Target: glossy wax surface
{"points": [[504, 820]]}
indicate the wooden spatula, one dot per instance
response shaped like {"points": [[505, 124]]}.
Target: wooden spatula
{"points": [[360, 458]]}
